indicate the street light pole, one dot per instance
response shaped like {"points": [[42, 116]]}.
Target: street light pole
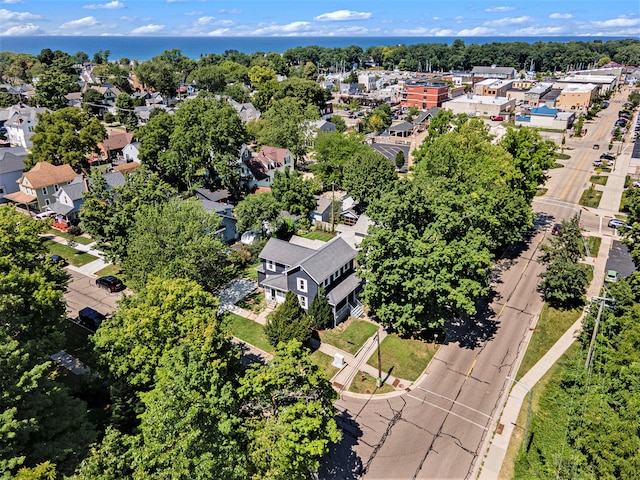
{"points": [[526, 429]]}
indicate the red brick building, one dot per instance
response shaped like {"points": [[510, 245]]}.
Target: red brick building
{"points": [[424, 94]]}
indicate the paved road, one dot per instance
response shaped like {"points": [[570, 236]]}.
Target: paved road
{"points": [[440, 429], [83, 292]]}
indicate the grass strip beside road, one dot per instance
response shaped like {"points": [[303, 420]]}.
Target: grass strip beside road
{"points": [[368, 385], [249, 331], [323, 361], [71, 255], [552, 324], [590, 198], [403, 358], [594, 245], [351, 338], [111, 269]]}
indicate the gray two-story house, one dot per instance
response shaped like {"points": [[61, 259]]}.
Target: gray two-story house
{"points": [[303, 269]]}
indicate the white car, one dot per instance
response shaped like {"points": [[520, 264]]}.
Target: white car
{"points": [[45, 214]]}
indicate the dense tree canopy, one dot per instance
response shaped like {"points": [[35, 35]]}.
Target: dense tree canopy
{"points": [[293, 192], [255, 209], [176, 239], [332, 152], [367, 174], [66, 136], [289, 321]]}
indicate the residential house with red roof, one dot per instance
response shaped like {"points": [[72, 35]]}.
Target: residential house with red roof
{"points": [[112, 146], [259, 170]]}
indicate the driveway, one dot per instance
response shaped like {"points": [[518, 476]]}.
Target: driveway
{"points": [[83, 292], [234, 291], [620, 260]]}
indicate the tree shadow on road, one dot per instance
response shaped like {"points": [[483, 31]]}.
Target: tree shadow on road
{"points": [[472, 332], [342, 462]]}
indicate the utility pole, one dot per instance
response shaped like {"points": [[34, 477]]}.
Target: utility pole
{"points": [[603, 301], [333, 205], [526, 428], [379, 379]]}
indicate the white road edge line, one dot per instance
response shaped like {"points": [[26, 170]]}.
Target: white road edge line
{"points": [[457, 403]]}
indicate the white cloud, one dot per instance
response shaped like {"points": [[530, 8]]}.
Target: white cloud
{"points": [[28, 29], [175, 1], [560, 15], [289, 28], [202, 21], [537, 30], [8, 15], [11, 2], [193, 13], [220, 32], [79, 23], [342, 15], [499, 9], [618, 22], [475, 32], [427, 32], [223, 23], [108, 6], [144, 30], [503, 22], [231, 11]]}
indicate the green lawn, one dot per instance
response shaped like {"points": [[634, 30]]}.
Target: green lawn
{"points": [[368, 385], [562, 156], [594, 245], [250, 271], [78, 238], [591, 198], [111, 269], [250, 332], [403, 358], [324, 362], [71, 255], [551, 326], [599, 179], [325, 237], [351, 338]]}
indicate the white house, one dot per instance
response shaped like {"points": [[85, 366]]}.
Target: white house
{"points": [[20, 124], [130, 152]]}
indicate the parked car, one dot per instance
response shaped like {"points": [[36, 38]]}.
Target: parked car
{"points": [[91, 318], [557, 229], [616, 222], [611, 276], [596, 146], [45, 214], [57, 259], [111, 283], [597, 163], [497, 118], [607, 156], [636, 184]]}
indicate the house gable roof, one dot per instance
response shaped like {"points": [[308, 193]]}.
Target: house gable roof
{"points": [[12, 159], [328, 259], [116, 140], [44, 174], [284, 253]]}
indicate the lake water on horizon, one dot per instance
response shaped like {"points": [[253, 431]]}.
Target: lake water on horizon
{"points": [[144, 48]]}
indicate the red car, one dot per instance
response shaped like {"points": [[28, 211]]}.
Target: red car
{"points": [[497, 119]]}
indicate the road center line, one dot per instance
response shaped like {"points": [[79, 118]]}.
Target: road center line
{"points": [[454, 401], [472, 365], [448, 411]]}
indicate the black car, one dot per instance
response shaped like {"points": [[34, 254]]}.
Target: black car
{"points": [[57, 259], [111, 283], [91, 318], [557, 229]]}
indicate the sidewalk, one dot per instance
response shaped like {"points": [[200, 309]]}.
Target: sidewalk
{"points": [[495, 447], [353, 364], [90, 268]]}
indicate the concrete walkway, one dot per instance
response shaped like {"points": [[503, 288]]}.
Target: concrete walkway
{"points": [[90, 268], [499, 443]]}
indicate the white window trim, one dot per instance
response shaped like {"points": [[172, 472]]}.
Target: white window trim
{"points": [[302, 285], [45, 191], [270, 265], [303, 301]]}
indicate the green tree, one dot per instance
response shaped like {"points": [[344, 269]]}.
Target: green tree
{"points": [[332, 152], [92, 101], [126, 115], [176, 239], [307, 92], [532, 158], [379, 118], [258, 75], [439, 125], [310, 72], [367, 175], [154, 139], [289, 321], [320, 312], [399, 160], [352, 77], [237, 92], [286, 125], [150, 323], [159, 75], [207, 133], [209, 78], [339, 122], [293, 192], [108, 215], [191, 427], [51, 88], [255, 209], [632, 236], [290, 415], [66, 136]]}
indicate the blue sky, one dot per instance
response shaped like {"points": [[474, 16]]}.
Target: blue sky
{"points": [[428, 18]]}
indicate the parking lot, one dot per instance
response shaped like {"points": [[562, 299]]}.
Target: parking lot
{"points": [[620, 260], [83, 292]]}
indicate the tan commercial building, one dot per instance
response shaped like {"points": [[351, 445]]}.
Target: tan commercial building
{"points": [[577, 96], [479, 106]]}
